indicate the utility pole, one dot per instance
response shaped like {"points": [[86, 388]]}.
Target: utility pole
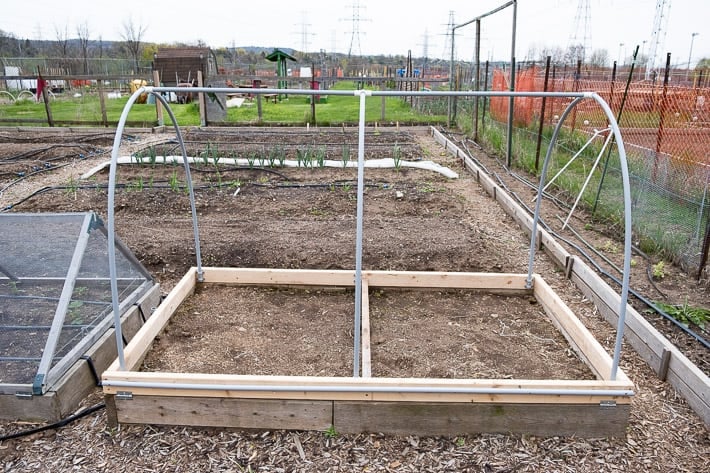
{"points": [[690, 53]]}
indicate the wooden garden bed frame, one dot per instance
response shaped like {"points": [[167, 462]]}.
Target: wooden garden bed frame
{"points": [[423, 406], [82, 378]]}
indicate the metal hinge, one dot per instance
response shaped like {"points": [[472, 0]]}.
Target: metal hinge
{"points": [[124, 395], [607, 404], [23, 395]]}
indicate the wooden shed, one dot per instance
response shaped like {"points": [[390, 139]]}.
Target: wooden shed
{"points": [[180, 65]]}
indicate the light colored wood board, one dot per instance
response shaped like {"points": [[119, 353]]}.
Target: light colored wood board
{"points": [[365, 352], [610, 315], [583, 342], [647, 341], [268, 276], [418, 279], [456, 419], [604, 294], [136, 350], [680, 364], [697, 400], [38, 408], [347, 381], [321, 395], [235, 413], [515, 211], [505, 282], [314, 388], [683, 375], [79, 381], [554, 250]]}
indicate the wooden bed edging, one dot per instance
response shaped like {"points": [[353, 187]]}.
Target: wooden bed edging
{"points": [[649, 343], [63, 399], [300, 402], [398, 418]]}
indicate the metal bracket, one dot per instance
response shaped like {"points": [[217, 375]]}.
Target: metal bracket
{"points": [[569, 266], [24, 395], [124, 396], [38, 385], [607, 404]]}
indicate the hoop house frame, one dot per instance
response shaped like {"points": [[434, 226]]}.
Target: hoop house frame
{"points": [[601, 406]]}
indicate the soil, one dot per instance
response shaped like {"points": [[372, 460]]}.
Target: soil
{"points": [[414, 220]]}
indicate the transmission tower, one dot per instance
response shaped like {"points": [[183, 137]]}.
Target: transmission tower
{"points": [[658, 34], [449, 32], [305, 35], [355, 33], [425, 51], [580, 40]]}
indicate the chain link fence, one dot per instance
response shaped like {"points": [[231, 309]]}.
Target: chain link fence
{"points": [[665, 122]]}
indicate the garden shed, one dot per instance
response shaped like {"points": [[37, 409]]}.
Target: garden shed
{"points": [[180, 65]]}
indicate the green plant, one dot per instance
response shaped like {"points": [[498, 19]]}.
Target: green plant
{"points": [[73, 312], [251, 157], [80, 290], [330, 432], [174, 182], [137, 185], [686, 314], [429, 187], [460, 442], [609, 247], [397, 156], [346, 156], [280, 155], [321, 153], [658, 270], [13, 287], [272, 157], [303, 157], [152, 156], [72, 186]]}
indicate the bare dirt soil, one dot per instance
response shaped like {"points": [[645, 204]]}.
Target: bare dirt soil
{"points": [[287, 218]]}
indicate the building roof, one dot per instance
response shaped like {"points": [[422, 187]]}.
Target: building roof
{"points": [[277, 55]]}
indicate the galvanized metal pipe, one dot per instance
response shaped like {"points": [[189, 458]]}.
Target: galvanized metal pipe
{"points": [[111, 230], [578, 96], [626, 189], [358, 231]]}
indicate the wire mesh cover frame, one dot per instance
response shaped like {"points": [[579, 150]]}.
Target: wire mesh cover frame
{"points": [[55, 297]]}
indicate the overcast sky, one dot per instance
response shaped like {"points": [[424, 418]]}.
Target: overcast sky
{"points": [[386, 27]]}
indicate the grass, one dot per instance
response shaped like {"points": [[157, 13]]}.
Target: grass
{"points": [[336, 110], [293, 109], [87, 108], [664, 221]]}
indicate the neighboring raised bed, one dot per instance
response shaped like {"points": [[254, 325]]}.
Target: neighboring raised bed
{"points": [[660, 354], [56, 311], [431, 406]]}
